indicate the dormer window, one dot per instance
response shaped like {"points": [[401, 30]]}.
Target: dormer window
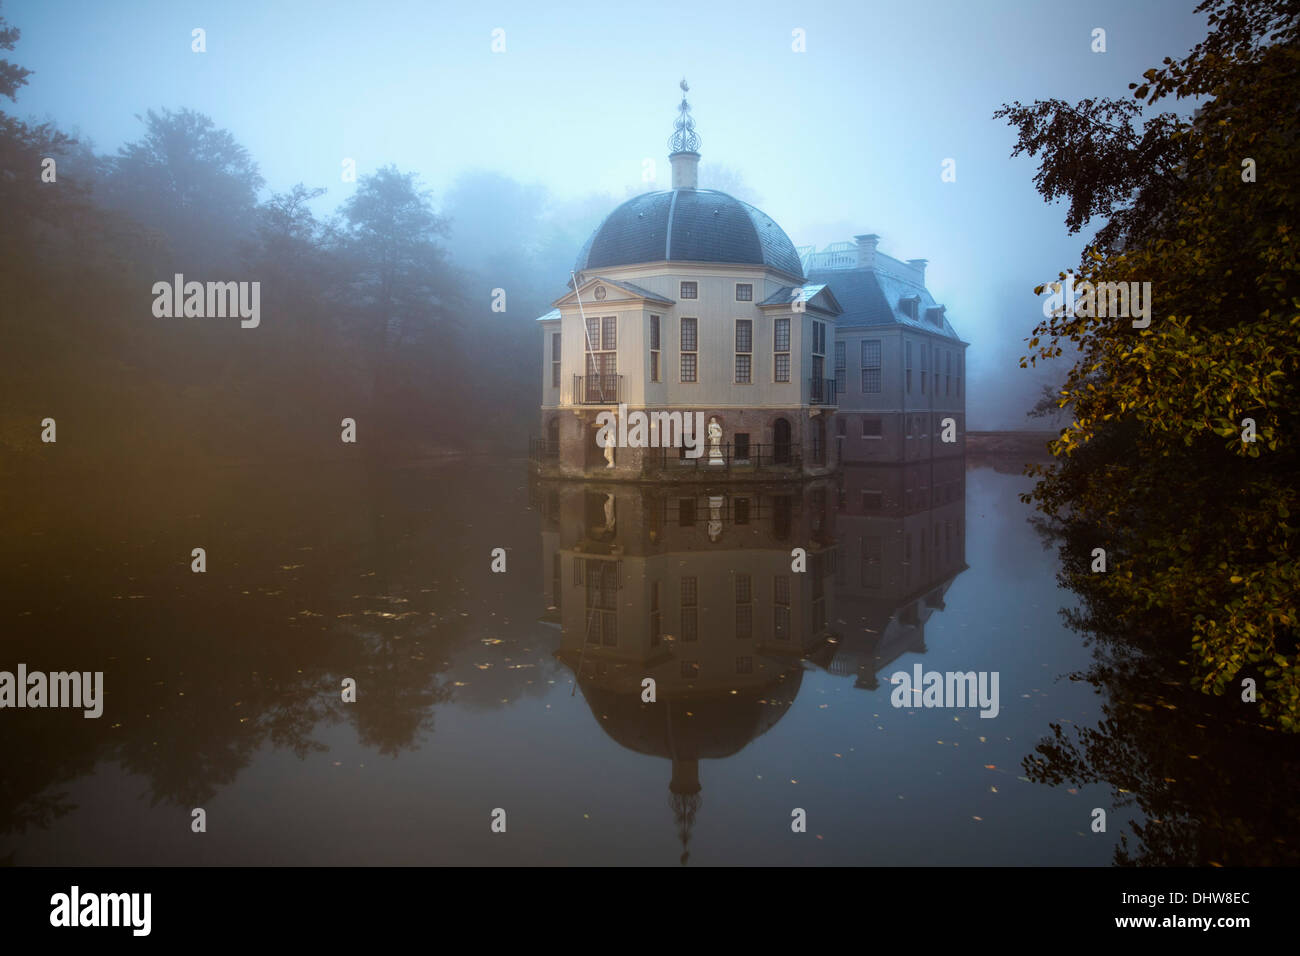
{"points": [[690, 290], [935, 315], [910, 306]]}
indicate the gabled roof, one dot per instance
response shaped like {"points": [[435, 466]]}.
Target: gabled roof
{"points": [[874, 297], [816, 295], [586, 290], [552, 316]]}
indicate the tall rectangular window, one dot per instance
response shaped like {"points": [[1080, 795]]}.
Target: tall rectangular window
{"points": [[947, 374], [781, 350], [744, 351], [925, 365], [907, 349], [690, 290], [781, 607], [602, 356], [872, 557], [690, 609], [841, 368], [690, 350], [871, 366], [555, 360], [744, 607], [656, 618], [654, 348]]}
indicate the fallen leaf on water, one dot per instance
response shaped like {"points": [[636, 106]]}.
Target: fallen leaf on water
{"points": [[990, 766]]}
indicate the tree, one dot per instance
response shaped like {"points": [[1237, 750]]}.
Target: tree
{"points": [[193, 182], [406, 297], [1160, 465]]}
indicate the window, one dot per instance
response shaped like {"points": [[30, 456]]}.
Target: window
{"points": [[947, 375], [872, 501], [742, 511], [744, 348], [744, 607], [871, 366], [690, 290], [656, 618], [602, 356], [555, 360], [690, 609], [872, 427], [819, 357], [960, 359], [744, 665], [744, 292], [740, 446], [781, 607], [908, 352], [654, 348], [872, 559], [690, 668], [925, 365], [841, 369], [781, 348], [686, 513], [690, 347]]}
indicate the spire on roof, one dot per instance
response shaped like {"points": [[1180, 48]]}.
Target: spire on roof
{"points": [[684, 138]]}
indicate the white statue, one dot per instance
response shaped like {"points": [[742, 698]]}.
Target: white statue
{"points": [[609, 455], [715, 436], [715, 517]]}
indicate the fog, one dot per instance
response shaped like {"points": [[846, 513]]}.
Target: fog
{"points": [[521, 152]]}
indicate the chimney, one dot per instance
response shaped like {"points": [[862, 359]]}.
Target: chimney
{"points": [[867, 250], [919, 265], [686, 168]]}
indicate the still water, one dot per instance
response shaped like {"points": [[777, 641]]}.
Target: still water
{"points": [[521, 690]]}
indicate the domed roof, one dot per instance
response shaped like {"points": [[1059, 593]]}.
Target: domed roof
{"points": [[712, 725], [689, 225]]}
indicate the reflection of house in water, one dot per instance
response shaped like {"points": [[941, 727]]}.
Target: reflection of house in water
{"points": [[691, 586], [901, 541]]}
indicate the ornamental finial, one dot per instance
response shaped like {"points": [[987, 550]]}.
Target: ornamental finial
{"points": [[684, 138]]}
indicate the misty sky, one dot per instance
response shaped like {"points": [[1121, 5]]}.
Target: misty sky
{"points": [[846, 138]]}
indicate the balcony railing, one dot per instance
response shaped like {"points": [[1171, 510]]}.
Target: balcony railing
{"points": [[543, 449], [730, 457], [597, 389], [821, 391]]}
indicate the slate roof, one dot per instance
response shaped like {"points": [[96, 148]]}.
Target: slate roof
{"points": [[872, 297], [785, 294], [688, 225]]}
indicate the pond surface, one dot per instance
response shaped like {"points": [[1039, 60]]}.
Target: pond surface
{"points": [[222, 689]]}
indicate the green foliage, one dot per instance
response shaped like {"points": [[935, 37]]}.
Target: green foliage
{"points": [[1199, 525]]}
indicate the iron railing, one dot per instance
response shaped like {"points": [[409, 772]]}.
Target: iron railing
{"points": [[724, 458], [543, 449], [605, 389], [821, 391]]}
